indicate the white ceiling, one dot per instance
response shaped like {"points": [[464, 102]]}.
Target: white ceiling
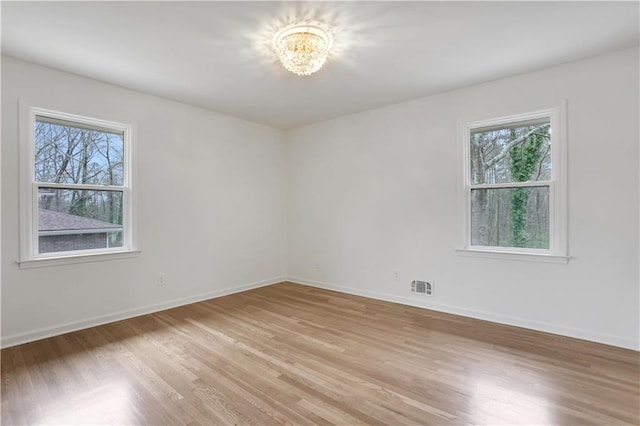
{"points": [[218, 55]]}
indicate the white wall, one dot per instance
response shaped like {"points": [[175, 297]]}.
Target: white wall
{"points": [[374, 193], [210, 208], [365, 196]]}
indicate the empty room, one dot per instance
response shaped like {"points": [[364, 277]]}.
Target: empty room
{"points": [[380, 213]]}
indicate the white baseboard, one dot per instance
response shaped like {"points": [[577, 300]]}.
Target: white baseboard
{"points": [[577, 333], [42, 333]]}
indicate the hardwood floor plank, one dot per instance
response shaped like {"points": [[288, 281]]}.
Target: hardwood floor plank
{"points": [[296, 355]]}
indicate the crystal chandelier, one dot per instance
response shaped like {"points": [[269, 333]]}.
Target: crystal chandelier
{"points": [[302, 49]]}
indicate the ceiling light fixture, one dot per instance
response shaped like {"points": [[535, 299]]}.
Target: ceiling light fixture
{"points": [[302, 49]]}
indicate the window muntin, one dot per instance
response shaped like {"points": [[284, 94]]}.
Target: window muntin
{"points": [[79, 194], [514, 191]]}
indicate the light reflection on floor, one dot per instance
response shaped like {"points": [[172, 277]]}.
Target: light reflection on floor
{"points": [[493, 403], [108, 404]]}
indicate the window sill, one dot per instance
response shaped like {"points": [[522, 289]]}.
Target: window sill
{"points": [[73, 259], [510, 255]]}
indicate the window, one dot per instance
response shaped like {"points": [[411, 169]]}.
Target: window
{"points": [[76, 189], [514, 185]]}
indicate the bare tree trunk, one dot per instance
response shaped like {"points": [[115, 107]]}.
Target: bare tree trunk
{"points": [[480, 219], [112, 213]]}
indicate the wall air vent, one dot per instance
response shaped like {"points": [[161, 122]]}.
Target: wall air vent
{"points": [[422, 287]]}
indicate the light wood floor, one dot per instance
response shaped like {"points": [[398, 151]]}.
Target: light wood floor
{"points": [[299, 355]]}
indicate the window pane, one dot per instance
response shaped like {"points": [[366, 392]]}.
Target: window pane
{"points": [[70, 220], [74, 153], [511, 153], [510, 217]]}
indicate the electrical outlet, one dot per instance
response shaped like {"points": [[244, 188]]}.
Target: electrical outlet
{"points": [[396, 275], [317, 264], [162, 278]]}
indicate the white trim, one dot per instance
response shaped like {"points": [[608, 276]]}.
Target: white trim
{"points": [[510, 254], [79, 231], [73, 257], [90, 187], [427, 303], [26, 134], [558, 199], [79, 125], [527, 184], [29, 187], [560, 177], [419, 302], [42, 333]]}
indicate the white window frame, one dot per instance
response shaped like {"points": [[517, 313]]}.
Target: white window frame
{"points": [[557, 252], [29, 256]]}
